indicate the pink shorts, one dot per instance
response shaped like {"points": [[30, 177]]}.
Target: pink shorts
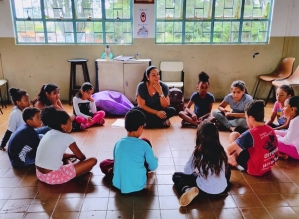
{"points": [[64, 174]]}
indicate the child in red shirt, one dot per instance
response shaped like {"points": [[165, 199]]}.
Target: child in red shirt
{"points": [[256, 149]]}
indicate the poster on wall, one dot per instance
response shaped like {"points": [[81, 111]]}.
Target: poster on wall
{"points": [[143, 23]]}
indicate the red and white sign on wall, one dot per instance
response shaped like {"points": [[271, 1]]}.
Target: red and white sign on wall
{"points": [[143, 23]]}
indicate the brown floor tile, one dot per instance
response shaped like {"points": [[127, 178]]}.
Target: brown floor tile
{"points": [[16, 206], [89, 196], [292, 199], [120, 202], [177, 214], [148, 203], [282, 212], [247, 201], [254, 213], [241, 187], [65, 215], [97, 192], [263, 188], [154, 214], [201, 214], [6, 192], [272, 200], [21, 193], [222, 201], [166, 190], [286, 188], [123, 214], [95, 204], [43, 205], [169, 202], [228, 213], [12, 216], [163, 169], [69, 204], [92, 214], [40, 215]]}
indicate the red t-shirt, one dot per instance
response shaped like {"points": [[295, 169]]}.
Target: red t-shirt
{"points": [[261, 143]]}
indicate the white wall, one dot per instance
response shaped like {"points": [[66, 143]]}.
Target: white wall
{"points": [[6, 25], [285, 18]]}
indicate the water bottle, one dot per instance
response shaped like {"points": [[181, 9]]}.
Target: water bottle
{"points": [[107, 51]]}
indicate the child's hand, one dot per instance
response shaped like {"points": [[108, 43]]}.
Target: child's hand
{"points": [[194, 117], [227, 114], [91, 99]]}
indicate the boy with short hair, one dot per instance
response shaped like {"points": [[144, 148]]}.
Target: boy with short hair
{"points": [[256, 149], [24, 141], [132, 156]]}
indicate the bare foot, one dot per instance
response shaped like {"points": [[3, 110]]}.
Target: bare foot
{"points": [[232, 160]]}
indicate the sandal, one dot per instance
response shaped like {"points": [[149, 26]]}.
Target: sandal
{"points": [[2, 149]]}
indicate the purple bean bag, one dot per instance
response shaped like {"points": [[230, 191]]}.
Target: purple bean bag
{"points": [[112, 102]]}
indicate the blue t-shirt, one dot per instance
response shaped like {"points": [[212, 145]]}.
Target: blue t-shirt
{"points": [[23, 143], [151, 101], [239, 106], [129, 172], [202, 105]]}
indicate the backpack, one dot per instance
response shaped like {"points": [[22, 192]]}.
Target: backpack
{"points": [[176, 97]]}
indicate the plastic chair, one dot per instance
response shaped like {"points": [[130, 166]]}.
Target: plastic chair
{"points": [[283, 71], [173, 68], [293, 80]]}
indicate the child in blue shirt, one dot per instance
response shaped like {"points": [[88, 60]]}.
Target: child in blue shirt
{"points": [[132, 156], [24, 141]]}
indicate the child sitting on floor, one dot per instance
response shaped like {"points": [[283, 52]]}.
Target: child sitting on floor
{"points": [[133, 157], [24, 141], [203, 103], [282, 93], [256, 149], [288, 140], [236, 100], [84, 108], [53, 165], [20, 99], [207, 169]]}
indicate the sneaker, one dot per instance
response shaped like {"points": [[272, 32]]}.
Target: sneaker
{"points": [[187, 197]]}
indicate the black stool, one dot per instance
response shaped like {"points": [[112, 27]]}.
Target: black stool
{"points": [[73, 87]]}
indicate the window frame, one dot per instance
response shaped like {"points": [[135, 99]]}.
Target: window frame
{"points": [[74, 22], [184, 20]]}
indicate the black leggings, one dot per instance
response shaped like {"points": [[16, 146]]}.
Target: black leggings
{"points": [[182, 180], [153, 121]]}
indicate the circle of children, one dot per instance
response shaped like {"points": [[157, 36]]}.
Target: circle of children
{"points": [[254, 145]]}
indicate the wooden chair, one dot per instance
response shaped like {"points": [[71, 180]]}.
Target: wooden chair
{"points": [[283, 71], [293, 80], [173, 68]]}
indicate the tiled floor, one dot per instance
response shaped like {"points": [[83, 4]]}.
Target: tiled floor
{"points": [[275, 195]]}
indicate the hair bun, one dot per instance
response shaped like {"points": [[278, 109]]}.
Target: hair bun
{"points": [[204, 77], [13, 91]]}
